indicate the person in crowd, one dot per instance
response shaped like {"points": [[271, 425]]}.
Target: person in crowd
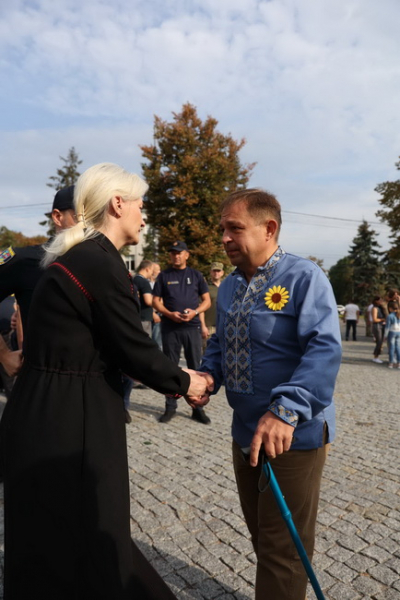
{"points": [[378, 316], [350, 317], [20, 271], [209, 317], [8, 330], [143, 286], [176, 295], [393, 333], [368, 320], [393, 295], [67, 508], [156, 330], [277, 349]]}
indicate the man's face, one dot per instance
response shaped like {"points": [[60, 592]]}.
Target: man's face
{"points": [[63, 219], [216, 275], [178, 259], [156, 270], [247, 242]]}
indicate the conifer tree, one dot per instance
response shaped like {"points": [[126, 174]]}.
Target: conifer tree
{"points": [[390, 214], [66, 175], [368, 275]]}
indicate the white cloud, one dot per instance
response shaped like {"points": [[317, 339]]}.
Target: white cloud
{"points": [[313, 86]]}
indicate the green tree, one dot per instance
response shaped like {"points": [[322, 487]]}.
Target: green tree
{"points": [[17, 239], [341, 278], [391, 268], [390, 214], [368, 275], [66, 175], [190, 168]]}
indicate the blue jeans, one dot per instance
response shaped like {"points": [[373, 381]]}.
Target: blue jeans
{"points": [[394, 346], [127, 385]]}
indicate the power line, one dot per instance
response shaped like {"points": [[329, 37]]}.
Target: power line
{"points": [[291, 212], [331, 218], [24, 205]]}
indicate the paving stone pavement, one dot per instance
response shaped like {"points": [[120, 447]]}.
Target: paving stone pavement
{"points": [[185, 514]]}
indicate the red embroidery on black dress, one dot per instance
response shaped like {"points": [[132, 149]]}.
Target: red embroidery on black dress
{"points": [[131, 282], [74, 279]]}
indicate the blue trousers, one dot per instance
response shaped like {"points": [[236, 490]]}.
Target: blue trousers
{"points": [[393, 340]]}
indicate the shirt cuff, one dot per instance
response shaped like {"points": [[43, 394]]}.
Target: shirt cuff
{"points": [[283, 413]]}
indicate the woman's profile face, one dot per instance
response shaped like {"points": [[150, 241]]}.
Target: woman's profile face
{"points": [[131, 221]]}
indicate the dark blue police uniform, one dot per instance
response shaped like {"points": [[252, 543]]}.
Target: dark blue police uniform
{"points": [[181, 289]]}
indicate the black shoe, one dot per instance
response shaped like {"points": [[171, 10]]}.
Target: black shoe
{"points": [[199, 415], [128, 418], [167, 416]]}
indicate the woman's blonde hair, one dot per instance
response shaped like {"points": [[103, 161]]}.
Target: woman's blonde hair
{"points": [[93, 192]]}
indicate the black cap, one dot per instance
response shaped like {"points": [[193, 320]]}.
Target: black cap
{"points": [[178, 247], [64, 199]]}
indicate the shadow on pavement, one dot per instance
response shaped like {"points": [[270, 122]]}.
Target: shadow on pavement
{"points": [[188, 581]]}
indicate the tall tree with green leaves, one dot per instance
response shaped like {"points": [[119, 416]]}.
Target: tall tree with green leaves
{"points": [[66, 175], [368, 274], [190, 168], [341, 278], [390, 214]]}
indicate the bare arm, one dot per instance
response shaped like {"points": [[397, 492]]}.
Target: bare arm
{"points": [[204, 328], [148, 299], [158, 305], [203, 306], [11, 361]]}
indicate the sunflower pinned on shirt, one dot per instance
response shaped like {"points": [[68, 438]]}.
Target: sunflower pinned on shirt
{"points": [[276, 297]]}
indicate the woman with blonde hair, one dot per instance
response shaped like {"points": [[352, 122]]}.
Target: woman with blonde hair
{"points": [[67, 508]]}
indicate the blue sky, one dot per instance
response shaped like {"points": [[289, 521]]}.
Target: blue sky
{"points": [[314, 88]]}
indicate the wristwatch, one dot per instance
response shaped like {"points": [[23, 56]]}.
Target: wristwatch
{"points": [[196, 312]]}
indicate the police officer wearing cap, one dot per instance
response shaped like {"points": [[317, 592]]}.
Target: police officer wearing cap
{"points": [[180, 294], [20, 271]]}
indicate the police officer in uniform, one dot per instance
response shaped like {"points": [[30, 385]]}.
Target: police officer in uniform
{"points": [[20, 271], [180, 294]]}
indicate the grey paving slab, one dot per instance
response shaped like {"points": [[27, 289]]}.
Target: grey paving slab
{"points": [[185, 513]]}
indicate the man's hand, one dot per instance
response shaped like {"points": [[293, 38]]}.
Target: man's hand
{"points": [[12, 362], [175, 316], [274, 434], [205, 332], [201, 384], [188, 314]]}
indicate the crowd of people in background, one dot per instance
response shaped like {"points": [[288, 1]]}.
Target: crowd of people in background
{"points": [[382, 322]]}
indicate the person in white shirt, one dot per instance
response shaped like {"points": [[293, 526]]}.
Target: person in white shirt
{"points": [[350, 317]]}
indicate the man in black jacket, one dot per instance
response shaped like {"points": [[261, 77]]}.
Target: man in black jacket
{"points": [[20, 271]]}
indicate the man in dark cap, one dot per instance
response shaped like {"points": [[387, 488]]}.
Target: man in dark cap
{"points": [[20, 271], [180, 294]]}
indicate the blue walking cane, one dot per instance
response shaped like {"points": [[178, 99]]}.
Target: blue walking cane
{"points": [[287, 517]]}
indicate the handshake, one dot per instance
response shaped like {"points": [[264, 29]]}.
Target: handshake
{"points": [[201, 384]]}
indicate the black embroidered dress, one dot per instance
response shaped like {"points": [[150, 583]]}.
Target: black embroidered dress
{"points": [[67, 503]]}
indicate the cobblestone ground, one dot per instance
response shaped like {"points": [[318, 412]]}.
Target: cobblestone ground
{"points": [[185, 513]]}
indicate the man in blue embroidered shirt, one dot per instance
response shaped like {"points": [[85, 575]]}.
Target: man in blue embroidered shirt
{"points": [[277, 349]]}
